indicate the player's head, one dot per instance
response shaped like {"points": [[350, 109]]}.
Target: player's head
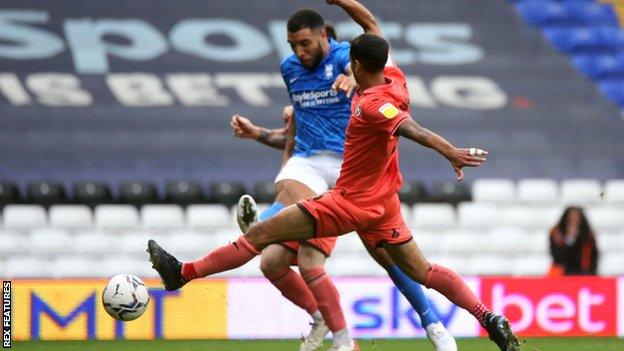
{"points": [[369, 54], [307, 37]]}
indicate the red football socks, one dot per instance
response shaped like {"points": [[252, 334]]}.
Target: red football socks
{"points": [[222, 259], [293, 287], [449, 284], [326, 296]]}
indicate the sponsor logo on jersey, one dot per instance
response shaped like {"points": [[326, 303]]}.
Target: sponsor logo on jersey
{"points": [[389, 110], [358, 110], [329, 71]]}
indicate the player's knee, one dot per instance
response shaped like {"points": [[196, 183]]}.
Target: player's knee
{"points": [[270, 265]]}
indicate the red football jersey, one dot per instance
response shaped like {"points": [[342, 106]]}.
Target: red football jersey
{"points": [[370, 170]]}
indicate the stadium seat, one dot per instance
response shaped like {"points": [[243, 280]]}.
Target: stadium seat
{"points": [[611, 264], [160, 216], [264, 192], [493, 190], [580, 191], [353, 265], [540, 13], [226, 193], [46, 193], [184, 193], [584, 40], [613, 90], [94, 242], [189, 245], [535, 265], [132, 243], [486, 265], [538, 190], [606, 217], [24, 216], [589, 13], [610, 243], [348, 244], [92, 193], [73, 267], [27, 267], [614, 191], [70, 216], [433, 216], [412, 192], [474, 214], [48, 241], [9, 194], [464, 243], [531, 216], [450, 192], [116, 216], [138, 193], [13, 243], [124, 265], [208, 216], [601, 66]]}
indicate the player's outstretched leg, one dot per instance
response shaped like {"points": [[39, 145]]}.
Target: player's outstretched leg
{"points": [[411, 261]]}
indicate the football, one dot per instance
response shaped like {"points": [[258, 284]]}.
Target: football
{"points": [[125, 297]]}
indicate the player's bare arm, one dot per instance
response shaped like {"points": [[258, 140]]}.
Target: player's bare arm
{"points": [[360, 14], [244, 128], [346, 83], [459, 158], [290, 131]]}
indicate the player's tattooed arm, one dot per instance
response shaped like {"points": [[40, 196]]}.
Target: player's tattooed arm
{"points": [[291, 130], [360, 14], [242, 127], [459, 158]]}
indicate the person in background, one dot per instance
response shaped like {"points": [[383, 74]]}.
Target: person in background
{"points": [[573, 245]]}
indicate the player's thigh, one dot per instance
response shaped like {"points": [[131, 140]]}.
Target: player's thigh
{"points": [[289, 224], [275, 257], [410, 259], [379, 254], [289, 192], [310, 257]]}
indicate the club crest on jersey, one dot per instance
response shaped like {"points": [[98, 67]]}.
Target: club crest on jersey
{"points": [[329, 71], [358, 110], [389, 110]]}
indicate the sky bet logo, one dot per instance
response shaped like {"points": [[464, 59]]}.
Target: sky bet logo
{"points": [[6, 314]]}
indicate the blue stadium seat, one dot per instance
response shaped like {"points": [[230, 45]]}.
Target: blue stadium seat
{"points": [[590, 13], [601, 66], [539, 13], [585, 40], [613, 90]]}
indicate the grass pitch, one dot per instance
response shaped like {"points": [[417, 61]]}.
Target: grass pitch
{"points": [[536, 344]]}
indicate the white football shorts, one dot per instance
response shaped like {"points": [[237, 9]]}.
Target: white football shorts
{"points": [[317, 172]]}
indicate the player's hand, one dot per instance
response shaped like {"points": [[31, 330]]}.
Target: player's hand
{"points": [[472, 157], [243, 128], [345, 83]]}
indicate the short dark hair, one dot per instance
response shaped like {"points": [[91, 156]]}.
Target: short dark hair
{"points": [[371, 51], [305, 18]]}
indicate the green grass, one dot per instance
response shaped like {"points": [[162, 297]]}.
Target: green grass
{"points": [[541, 344]]}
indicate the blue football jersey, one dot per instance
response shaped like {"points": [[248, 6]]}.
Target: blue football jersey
{"points": [[321, 113]]}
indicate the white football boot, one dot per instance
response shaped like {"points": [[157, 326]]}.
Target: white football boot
{"points": [[440, 337], [354, 347], [246, 212], [314, 340]]}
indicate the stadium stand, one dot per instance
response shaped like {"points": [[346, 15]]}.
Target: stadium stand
{"points": [[526, 84]]}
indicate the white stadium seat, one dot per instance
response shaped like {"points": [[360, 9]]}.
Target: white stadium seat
{"points": [[12, 242], [50, 241], [116, 216], [538, 190], [486, 265], [73, 267], [24, 216], [606, 217], [464, 243], [531, 216], [357, 264], [433, 216], [493, 190], [208, 216], [535, 265], [580, 191], [96, 243], [348, 244], [70, 216], [474, 214], [611, 264], [508, 240], [614, 191], [125, 265], [613, 242], [162, 216], [27, 267]]}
